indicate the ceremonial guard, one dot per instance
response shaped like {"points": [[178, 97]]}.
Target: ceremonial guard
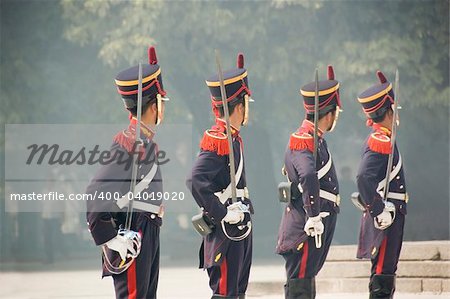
{"points": [[382, 190], [309, 218], [226, 250], [127, 229]]}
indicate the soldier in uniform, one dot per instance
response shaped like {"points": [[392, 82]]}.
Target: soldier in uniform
{"points": [[135, 274], [380, 235], [315, 193], [226, 252]]}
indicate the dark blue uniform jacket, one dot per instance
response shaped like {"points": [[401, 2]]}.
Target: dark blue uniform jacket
{"points": [[210, 174], [301, 171], [370, 180], [113, 181]]}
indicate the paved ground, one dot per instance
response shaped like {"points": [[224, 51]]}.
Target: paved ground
{"points": [[188, 283]]}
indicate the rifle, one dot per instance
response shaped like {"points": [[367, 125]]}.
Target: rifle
{"points": [[393, 136], [226, 113], [137, 147], [317, 238], [389, 206], [316, 115]]}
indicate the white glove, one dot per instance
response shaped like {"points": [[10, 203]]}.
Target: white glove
{"points": [[314, 225], [234, 215], [127, 243], [383, 220], [238, 206]]}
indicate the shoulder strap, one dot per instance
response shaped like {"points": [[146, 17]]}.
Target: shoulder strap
{"points": [[393, 174], [322, 171], [224, 195], [123, 201]]}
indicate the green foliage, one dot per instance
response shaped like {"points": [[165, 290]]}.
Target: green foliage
{"points": [[284, 40]]}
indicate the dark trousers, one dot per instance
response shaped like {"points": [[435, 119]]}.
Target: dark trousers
{"points": [[230, 279], [307, 260], [385, 262], [141, 279]]}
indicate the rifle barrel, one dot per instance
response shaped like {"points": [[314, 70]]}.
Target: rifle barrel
{"points": [[227, 121], [137, 146]]}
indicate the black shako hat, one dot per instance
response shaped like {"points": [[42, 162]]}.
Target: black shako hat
{"points": [[235, 81], [152, 85], [328, 94], [378, 98]]}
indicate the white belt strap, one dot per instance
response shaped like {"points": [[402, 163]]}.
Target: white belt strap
{"points": [[225, 194], [124, 200], [240, 193], [321, 172], [330, 196], [393, 174], [397, 196], [324, 170], [147, 207]]}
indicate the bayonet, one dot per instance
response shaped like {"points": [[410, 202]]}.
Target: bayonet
{"points": [[393, 136], [226, 113], [136, 150], [317, 237]]}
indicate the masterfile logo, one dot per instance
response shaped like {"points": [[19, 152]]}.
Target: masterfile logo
{"points": [[45, 160]]}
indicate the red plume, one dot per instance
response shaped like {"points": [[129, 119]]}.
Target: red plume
{"points": [[240, 61], [381, 77], [152, 55], [330, 72]]}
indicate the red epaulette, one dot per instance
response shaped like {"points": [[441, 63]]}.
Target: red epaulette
{"points": [[215, 141], [301, 141], [379, 143], [126, 140]]}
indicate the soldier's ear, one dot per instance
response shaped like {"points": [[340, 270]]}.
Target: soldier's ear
{"points": [[330, 116], [390, 112], [154, 107], [242, 107]]}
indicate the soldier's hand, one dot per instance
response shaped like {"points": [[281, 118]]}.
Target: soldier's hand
{"points": [[127, 243], [238, 206], [233, 215], [314, 225], [383, 220]]}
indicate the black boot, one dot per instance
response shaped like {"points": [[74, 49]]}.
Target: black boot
{"points": [[241, 296], [382, 286], [304, 288]]}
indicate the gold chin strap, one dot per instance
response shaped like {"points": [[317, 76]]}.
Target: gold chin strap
{"points": [[159, 116], [397, 117], [246, 107], [336, 117]]}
